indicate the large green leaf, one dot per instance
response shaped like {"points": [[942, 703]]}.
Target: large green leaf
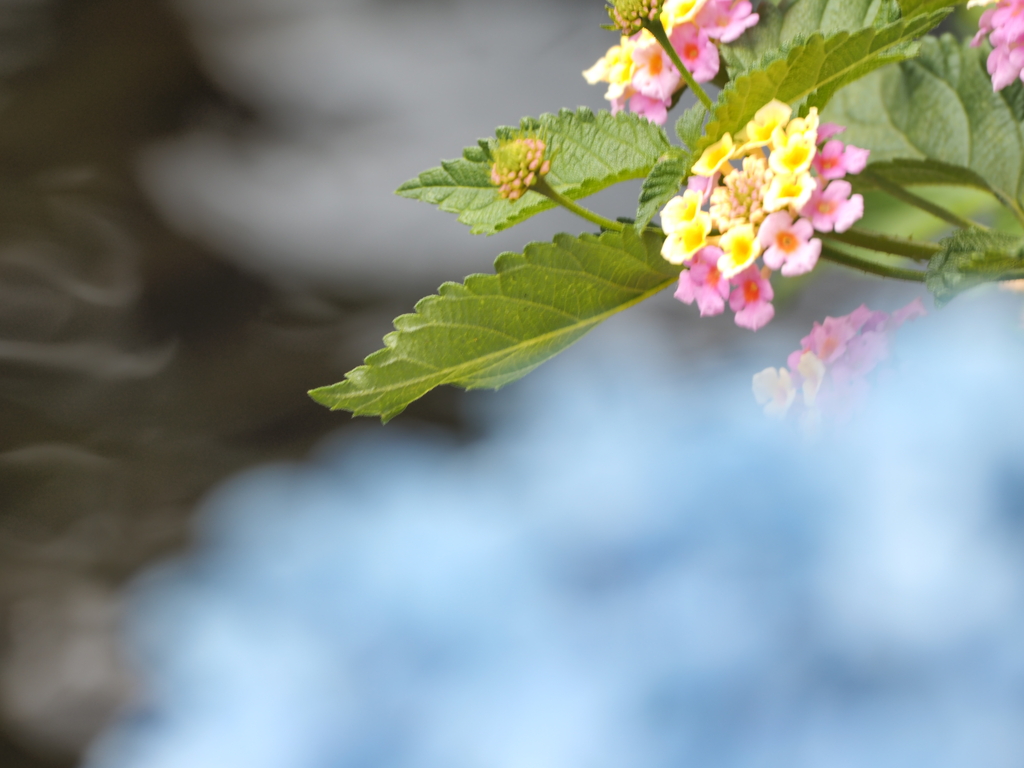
{"points": [[781, 23], [588, 153], [494, 329], [971, 257], [936, 120]]}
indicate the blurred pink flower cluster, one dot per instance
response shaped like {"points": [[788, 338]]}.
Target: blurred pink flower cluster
{"points": [[829, 372], [1004, 26], [640, 73]]}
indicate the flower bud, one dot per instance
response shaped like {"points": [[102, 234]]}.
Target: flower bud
{"points": [[518, 165], [629, 15]]}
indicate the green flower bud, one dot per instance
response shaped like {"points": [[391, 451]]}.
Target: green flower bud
{"points": [[518, 165], [629, 15]]}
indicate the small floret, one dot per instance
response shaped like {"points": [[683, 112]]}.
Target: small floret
{"points": [[714, 157], [751, 299], [518, 165], [704, 283], [740, 248]]}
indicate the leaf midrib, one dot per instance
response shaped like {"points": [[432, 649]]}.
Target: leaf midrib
{"points": [[536, 340]]}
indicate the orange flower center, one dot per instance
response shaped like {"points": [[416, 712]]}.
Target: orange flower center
{"points": [[787, 241], [713, 277], [655, 65], [830, 346], [751, 291], [691, 51]]}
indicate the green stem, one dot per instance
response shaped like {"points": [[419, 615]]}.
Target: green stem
{"points": [[655, 28], [871, 267], [875, 241], [919, 202], [545, 189]]}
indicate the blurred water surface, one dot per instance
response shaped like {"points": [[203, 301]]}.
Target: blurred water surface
{"points": [[630, 567]]}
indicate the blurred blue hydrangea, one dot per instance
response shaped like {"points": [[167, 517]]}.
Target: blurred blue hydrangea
{"points": [[632, 569]]}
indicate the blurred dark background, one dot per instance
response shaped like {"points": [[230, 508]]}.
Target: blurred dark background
{"points": [[139, 367]]}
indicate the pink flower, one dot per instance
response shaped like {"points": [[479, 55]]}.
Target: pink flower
{"points": [[788, 244], [654, 74], [703, 283], [984, 27], [620, 103], [833, 208], [704, 184], [864, 353], [1007, 23], [828, 339], [827, 130], [1005, 65], [654, 110], [835, 160], [751, 299], [912, 311], [726, 20], [835, 358], [698, 53], [1004, 26]]}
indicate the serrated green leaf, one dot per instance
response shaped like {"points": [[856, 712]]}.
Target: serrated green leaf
{"points": [[662, 184], [588, 152], [915, 7], [936, 120], [784, 23], [494, 329], [812, 68], [972, 257], [690, 126]]}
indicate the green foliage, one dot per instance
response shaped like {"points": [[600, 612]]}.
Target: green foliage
{"points": [[972, 257], [662, 185], [782, 23], [936, 120], [812, 68], [915, 7], [494, 329], [664, 180], [588, 153]]}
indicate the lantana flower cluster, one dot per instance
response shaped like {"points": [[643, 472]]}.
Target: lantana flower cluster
{"points": [[788, 184], [828, 374], [518, 165], [1004, 26], [640, 73]]}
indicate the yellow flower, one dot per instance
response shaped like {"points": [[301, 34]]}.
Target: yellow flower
{"points": [[740, 248], [773, 388], [792, 153], [807, 126], [758, 133], [676, 12], [614, 68], [813, 372], [714, 157], [681, 245], [786, 191], [681, 210]]}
